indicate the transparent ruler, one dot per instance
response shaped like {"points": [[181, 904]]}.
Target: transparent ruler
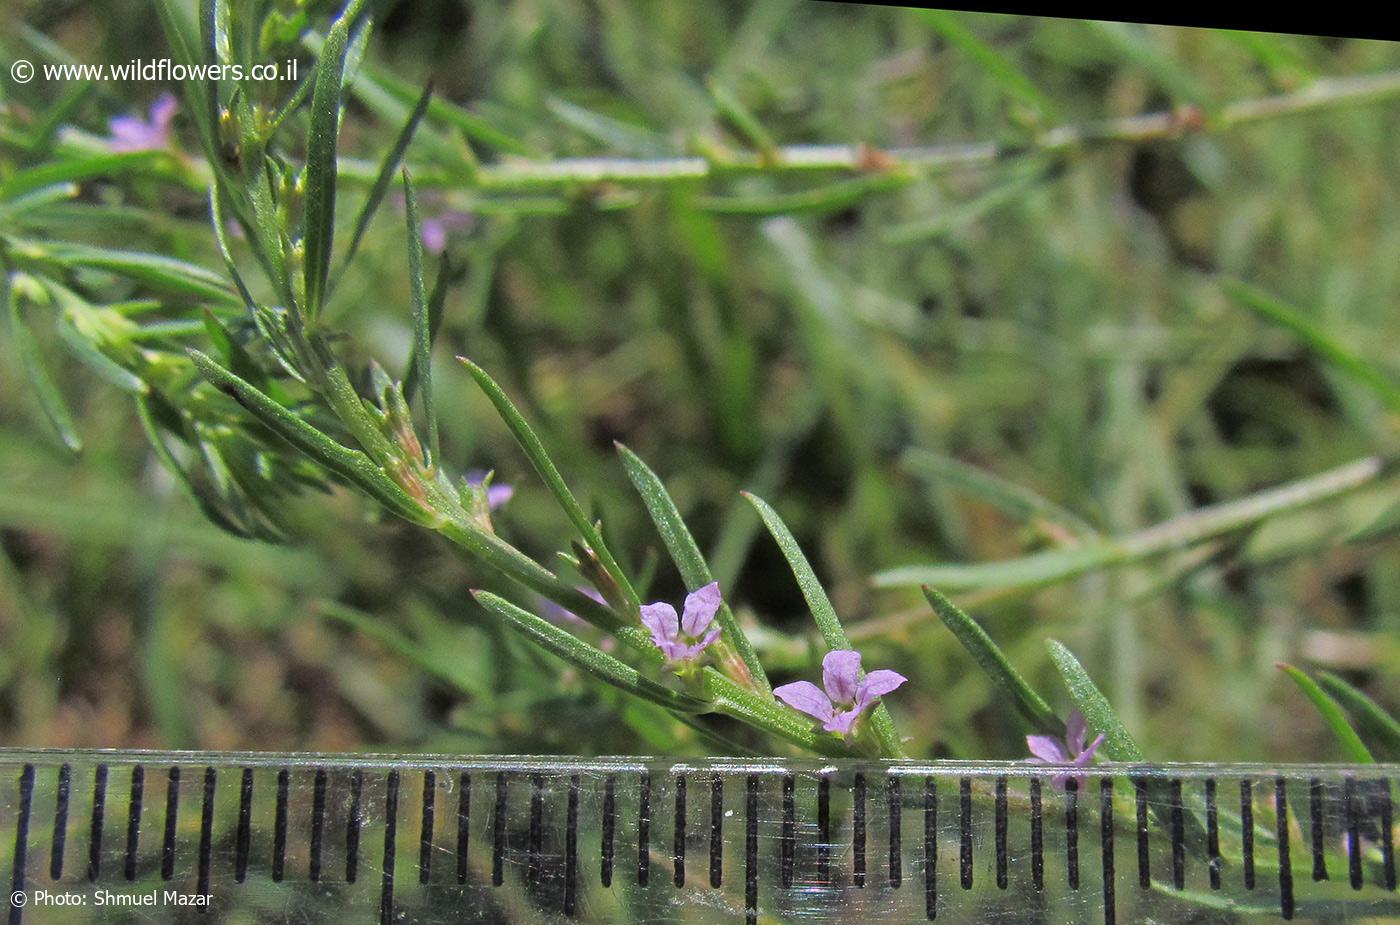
{"points": [[98, 836]]}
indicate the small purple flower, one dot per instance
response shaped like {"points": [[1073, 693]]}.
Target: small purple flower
{"points": [[133, 133], [439, 220], [683, 638], [1050, 750], [496, 495], [847, 694]]}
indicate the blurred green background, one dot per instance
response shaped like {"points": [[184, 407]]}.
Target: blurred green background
{"points": [[1058, 323]]}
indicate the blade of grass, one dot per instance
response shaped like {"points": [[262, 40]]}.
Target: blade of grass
{"points": [[1118, 742], [539, 458], [1372, 721], [823, 613], [690, 562], [997, 666], [1352, 746], [992, 62], [446, 276], [422, 322], [589, 658], [1316, 338]]}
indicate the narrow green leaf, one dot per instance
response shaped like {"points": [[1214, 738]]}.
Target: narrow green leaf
{"points": [[352, 465], [1316, 338], [1375, 725], [92, 356], [321, 143], [387, 168], [45, 389], [830, 197], [77, 169], [19, 206], [589, 658], [1016, 500], [619, 137], [1352, 746], [742, 119], [218, 218], [185, 43], [539, 458], [690, 562], [1118, 742], [823, 613], [437, 302], [153, 269], [422, 322], [180, 473], [997, 666]]}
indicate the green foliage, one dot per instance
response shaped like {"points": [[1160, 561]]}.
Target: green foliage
{"points": [[1332, 714]]}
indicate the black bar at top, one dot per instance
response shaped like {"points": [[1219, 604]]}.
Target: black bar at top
{"points": [[896, 836], [352, 828], [425, 827], [1001, 832], [609, 829], [206, 829], [644, 828], [60, 821], [678, 831], [751, 850], [391, 825], [717, 831], [1213, 834], [1387, 836], [1247, 831], [1037, 837], [1178, 816], [172, 812], [244, 841], [1353, 815], [965, 830], [26, 797], [1072, 832], [318, 823], [789, 835], [279, 826], [1110, 914], [1144, 856], [571, 849], [858, 830], [464, 819], [1285, 868], [824, 829], [1318, 825], [133, 820], [930, 848], [99, 803]]}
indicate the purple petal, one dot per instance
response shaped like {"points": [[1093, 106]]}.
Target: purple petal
{"points": [[841, 722], [476, 476], [664, 625], [163, 111], [709, 637], [434, 236], [876, 684], [1086, 757], [132, 133], [497, 495], [1047, 748], [1076, 731], [700, 608], [841, 675], [806, 697]]}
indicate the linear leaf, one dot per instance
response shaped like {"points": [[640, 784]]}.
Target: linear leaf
{"points": [[45, 389], [740, 657], [1376, 726], [823, 613], [997, 666], [437, 301], [992, 62], [1316, 338], [589, 658], [153, 269], [422, 321], [1336, 720], [321, 143], [387, 168], [539, 458], [1118, 742]]}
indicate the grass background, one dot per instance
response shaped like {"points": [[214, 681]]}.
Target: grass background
{"points": [[1059, 324]]}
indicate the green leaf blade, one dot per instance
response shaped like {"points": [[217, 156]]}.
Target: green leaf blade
{"points": [[1336, 720]]}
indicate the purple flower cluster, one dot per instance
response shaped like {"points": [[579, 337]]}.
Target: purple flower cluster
{"points": [[682, 638], [847, 693], [133, 133], [1070, 750]]}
